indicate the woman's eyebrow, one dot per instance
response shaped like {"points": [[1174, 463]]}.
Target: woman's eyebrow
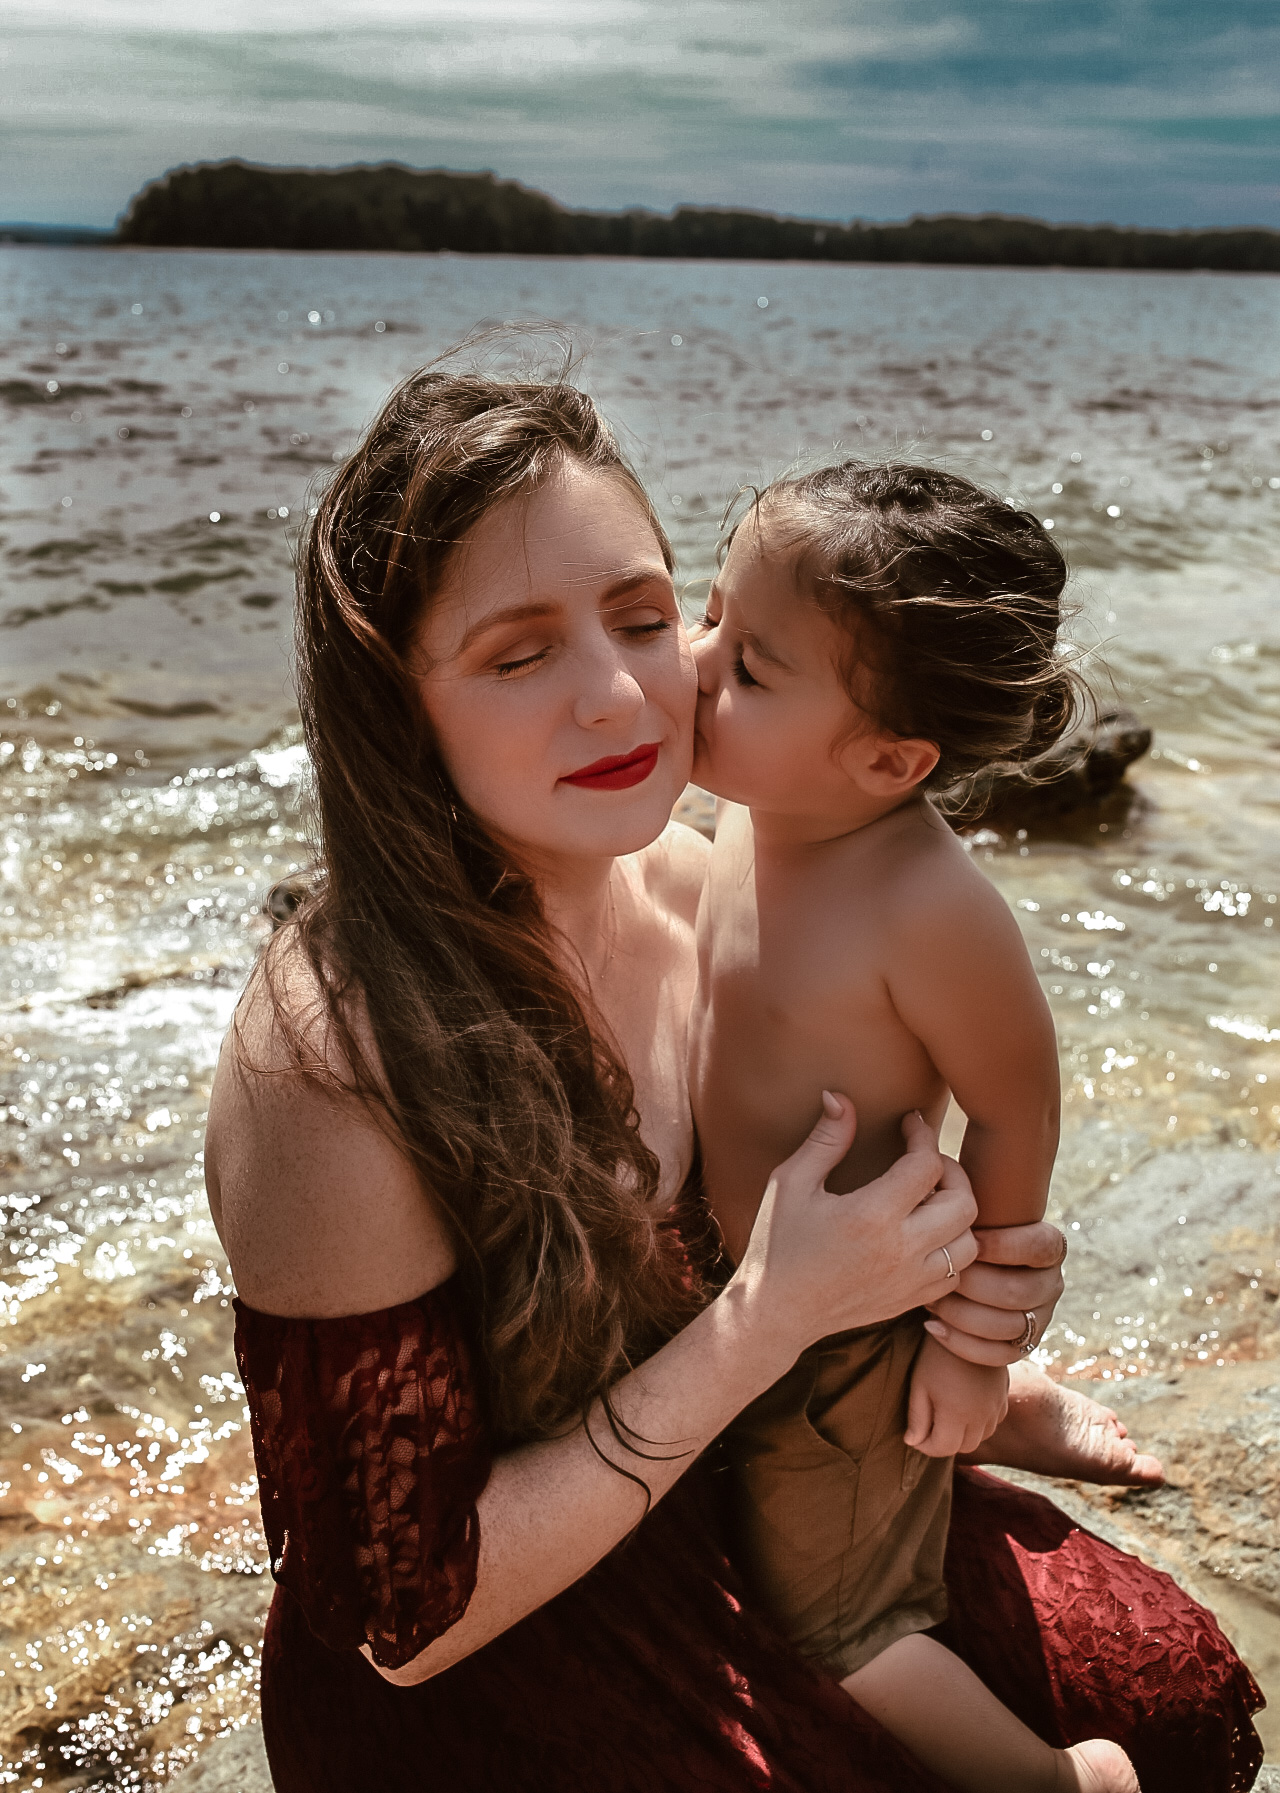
{"points": [[633, 579], [512, 613], [627, 581]]}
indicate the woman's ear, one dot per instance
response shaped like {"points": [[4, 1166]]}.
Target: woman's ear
{"points": [[888, 765]]}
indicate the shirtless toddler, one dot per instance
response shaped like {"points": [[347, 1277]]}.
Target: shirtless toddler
{"points": [[875, 637]]}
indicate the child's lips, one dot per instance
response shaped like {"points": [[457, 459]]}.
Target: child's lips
{"points": [[618, 772]]}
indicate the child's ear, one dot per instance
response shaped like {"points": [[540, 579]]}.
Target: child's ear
{"points": [[889, 765]]}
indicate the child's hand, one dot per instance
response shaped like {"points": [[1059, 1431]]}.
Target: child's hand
{"points": [[953, 1405]]}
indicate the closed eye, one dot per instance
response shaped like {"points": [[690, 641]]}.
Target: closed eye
{"points": [[646, 631], [740, 672], [505, 668]]}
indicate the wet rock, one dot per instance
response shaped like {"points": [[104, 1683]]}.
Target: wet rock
{"points": [[1177, 1259], [1084, 772], [1215, 1525], [234, 1764]]}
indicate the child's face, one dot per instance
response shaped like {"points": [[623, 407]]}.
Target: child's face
{"points": [[773, 711]]}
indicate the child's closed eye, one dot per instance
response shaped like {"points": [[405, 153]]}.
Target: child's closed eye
{"points": [[740, 672]]}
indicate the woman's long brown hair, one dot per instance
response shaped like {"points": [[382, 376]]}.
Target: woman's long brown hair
{"points": [[518, 1117]]}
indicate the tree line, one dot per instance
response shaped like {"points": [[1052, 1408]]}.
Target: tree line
{"points": [[238, 205]]}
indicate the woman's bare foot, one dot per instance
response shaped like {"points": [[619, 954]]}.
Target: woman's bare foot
{"points": [[1096, 1767], [1052, 1430]]}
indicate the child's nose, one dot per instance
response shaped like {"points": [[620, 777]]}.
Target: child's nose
{"points": [[704, 660]]}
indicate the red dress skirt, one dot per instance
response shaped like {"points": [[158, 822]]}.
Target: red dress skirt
{"points": [[652, 1672]]}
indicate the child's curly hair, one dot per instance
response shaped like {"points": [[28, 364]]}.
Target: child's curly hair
{"points": [[948, 596]]}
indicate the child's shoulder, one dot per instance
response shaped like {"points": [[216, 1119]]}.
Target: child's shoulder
{"points": [[930, 879]]}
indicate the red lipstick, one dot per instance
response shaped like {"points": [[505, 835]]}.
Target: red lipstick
{"points": [[617, 773]]}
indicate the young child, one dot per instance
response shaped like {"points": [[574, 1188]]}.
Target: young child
{"points": [[875, 635]]}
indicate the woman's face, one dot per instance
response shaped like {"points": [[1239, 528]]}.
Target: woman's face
{"points": [[557, 675]]}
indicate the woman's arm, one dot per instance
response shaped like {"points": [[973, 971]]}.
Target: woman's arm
{"points": [[317, 1207], [816, 1263]]}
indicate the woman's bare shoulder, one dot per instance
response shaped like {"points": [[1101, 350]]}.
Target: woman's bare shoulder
{"points": [[319, 1207], [675, 869]]}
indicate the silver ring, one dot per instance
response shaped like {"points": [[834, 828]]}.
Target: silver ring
{"points": [[1025, 1342], [952, 1273]]}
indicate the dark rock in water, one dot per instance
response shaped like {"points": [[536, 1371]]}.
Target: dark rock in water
{"points": [[1085, 771]]}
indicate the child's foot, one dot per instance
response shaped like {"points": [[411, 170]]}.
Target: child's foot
{"points": [[1058, 1431], [1096, 1767]]}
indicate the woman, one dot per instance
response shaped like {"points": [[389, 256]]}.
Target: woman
{"points": [[451, 1159]]}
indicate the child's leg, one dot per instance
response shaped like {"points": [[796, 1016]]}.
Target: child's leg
{"points": [[939, 1709]]}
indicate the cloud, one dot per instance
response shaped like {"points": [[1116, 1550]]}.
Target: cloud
{"points": [[1151, 111]]}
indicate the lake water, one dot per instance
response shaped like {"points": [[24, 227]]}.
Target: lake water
{"points": [[166, 421]]}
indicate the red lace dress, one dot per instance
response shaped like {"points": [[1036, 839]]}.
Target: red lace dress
{"points": [[652, 1672]]}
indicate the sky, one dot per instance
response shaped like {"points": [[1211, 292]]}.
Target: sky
{"points": [[1160, 112]]}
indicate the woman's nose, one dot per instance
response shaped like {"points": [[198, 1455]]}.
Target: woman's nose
{"points": [[610, 691]]}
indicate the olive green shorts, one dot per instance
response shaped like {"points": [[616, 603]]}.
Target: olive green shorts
{"points": [[841, 1527]]}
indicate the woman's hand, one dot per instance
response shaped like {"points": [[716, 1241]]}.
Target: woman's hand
{"points": [[818, 1263], [1017, 1272]]}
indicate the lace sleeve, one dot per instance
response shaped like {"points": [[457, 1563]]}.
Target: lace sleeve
{"points": [[370, 1453]]}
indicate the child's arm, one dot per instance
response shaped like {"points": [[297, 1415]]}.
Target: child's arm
{"points": [[964, 985]]}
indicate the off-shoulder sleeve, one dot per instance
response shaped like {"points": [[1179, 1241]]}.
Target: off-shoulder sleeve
{"points": [[371, 1453]]}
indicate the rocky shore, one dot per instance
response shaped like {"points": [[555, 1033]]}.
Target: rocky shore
{"points": [[1215, 1525]]}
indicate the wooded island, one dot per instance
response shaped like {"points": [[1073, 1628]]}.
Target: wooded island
{"points": [[239, 205]]}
